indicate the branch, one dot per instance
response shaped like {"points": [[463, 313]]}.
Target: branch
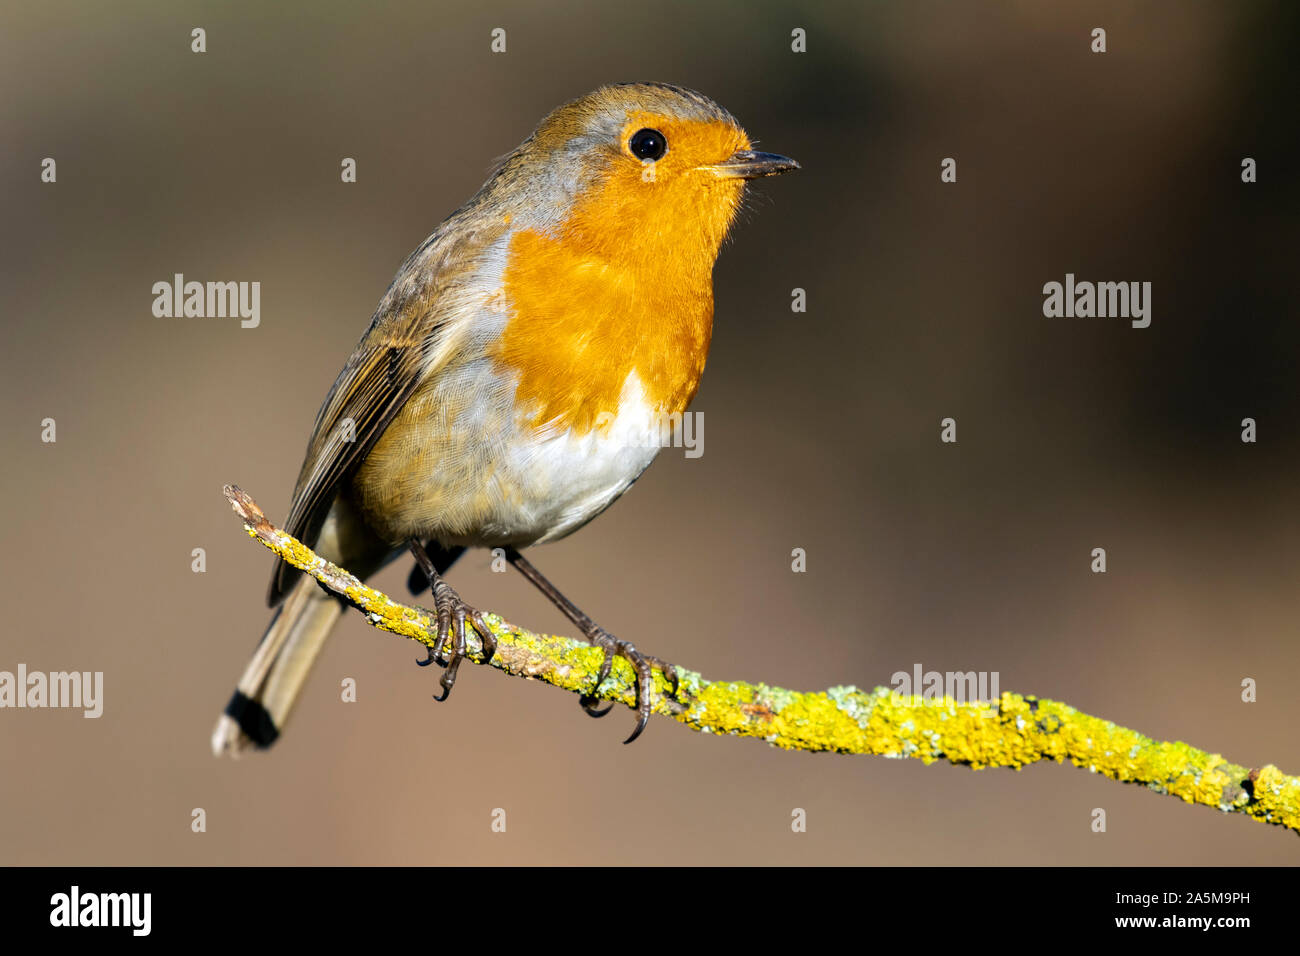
{"points": [[1014, 731]]}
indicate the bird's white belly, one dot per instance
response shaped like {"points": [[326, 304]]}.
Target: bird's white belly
{"points": [[553, 483], [489, 477]]}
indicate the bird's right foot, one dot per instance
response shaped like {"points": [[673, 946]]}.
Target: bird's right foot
{"points": [[643, 664]]}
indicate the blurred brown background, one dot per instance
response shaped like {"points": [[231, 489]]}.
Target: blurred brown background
{"points": [[822, 429]]}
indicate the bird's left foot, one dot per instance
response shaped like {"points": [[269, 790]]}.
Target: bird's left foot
{"points": [[643, 664], [451, 614]]}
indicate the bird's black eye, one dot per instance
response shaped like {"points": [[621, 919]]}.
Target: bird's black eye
{"points": [[647, 144]]}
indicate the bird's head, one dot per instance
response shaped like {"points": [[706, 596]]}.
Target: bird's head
{"points": [[636, 170]]}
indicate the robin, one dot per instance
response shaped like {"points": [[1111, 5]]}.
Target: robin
{"points": [[514, 380]]}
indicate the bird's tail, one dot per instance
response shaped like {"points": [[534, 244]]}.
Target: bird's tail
{"points": [[274, 677]]}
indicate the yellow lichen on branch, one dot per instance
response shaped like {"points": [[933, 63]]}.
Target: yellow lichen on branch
{"points": [[1012, 731]]}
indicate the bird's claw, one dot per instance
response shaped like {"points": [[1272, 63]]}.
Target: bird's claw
{"points": [[643, 664], [451, 614]]}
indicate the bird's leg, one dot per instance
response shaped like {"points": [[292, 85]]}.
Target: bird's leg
{"points": [[612, 646], [441, 558], [451, 614]]}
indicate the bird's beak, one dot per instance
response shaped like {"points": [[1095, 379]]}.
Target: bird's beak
{"points": [[747, 164]]}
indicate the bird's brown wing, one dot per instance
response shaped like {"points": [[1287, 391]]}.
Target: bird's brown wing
{"points": [[378, 378], [380, 375]]}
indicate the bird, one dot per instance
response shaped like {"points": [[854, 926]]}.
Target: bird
{"points": [[515, 377]]}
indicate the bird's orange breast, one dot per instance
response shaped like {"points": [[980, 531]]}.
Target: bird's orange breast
{"points": [[625, 285]]}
